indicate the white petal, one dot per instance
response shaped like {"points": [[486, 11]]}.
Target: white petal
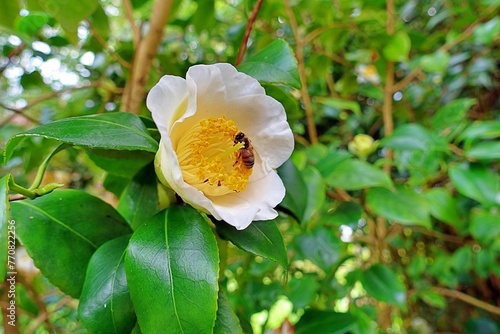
{"points": [[256, 202], [166, 101]]}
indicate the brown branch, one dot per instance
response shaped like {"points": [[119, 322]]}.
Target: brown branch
{"points": [[14, 53], [248, 30], [129, 12], [143, 58], [19, 112], [467, 299], [16, 197], [105, 45], [299, 54]]}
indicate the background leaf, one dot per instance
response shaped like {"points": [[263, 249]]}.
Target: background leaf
{"points": [[61, 233], [174, 258], [4, 224], [353, 174], [226, 321], [382, 283], [295, 199], [324, 322], [477, 182]]}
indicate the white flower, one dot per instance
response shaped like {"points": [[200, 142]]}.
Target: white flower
{"points": [[367, 73], [199, 156]]}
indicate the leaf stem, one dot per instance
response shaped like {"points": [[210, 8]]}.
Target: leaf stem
{"points": [[43, 166]]}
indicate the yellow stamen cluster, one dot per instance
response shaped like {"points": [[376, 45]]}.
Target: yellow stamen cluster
{"points": [[210, 159]]}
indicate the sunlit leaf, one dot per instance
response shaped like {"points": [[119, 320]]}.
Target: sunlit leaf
{"points": [[275, 64], [353, 174]]}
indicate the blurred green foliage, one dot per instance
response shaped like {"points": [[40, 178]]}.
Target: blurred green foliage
{"points": [[399, 237]]}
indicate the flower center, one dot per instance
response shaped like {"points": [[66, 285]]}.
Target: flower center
{"points": [[210, 157]]}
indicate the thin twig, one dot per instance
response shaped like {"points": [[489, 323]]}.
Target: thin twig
{"points": [[446, 47], [19, 112], [129, 12], [248, 30], [299, 54], [105, 45], [468, 299]]}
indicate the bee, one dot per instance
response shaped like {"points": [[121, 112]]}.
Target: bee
{"points": [[246, 152]]}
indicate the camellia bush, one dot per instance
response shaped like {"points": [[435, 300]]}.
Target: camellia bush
{"points": [[279, 166]]}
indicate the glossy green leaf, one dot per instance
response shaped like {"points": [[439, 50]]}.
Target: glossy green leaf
{"points": [[69, 13], [112, 131], [487, 150], [172, 269], [302, 290], [62, 230], [5, 223], [347, 213], [382, 283], [340, 104], [275, 64], [321, 246], [481, 130], [9, 13], [124, 164], [477, 182], [31, 24], [436, 62], [404, 206], [325, 322], [105, 305], [353, 174], [261, 238], [444, 207], [414, 137], [432, 298], [398, 47], [139, 201], [485, 226], [315, 190], [296, 196], [226, 321], [451, 118]]}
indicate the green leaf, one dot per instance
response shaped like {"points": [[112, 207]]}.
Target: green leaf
{"points": [[275, 64], [31, 24], [486, 33], [296, 195], [124, 164], [451, 118], [327, 163], [105, 305], [139, 201], [261, 238], [5, 227], [444, 207], [487, 150], [325, 322], [432, 298], [9, 13], [436, 62], [353, 174], [172, 266], [414, 137], [484, 226], [398, 47], [481, 130], [404, 206], [476, 182], [226, 321], [70, 13], [340, 104], [112, 131], [315, 190], [383, 284], [321, 246], [62, 230]]}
